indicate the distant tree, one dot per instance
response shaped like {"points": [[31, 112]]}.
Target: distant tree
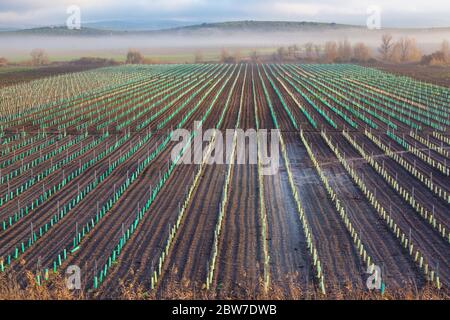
{"points": [[445, 49], [282, 54], [344, 51], [406, 50], [403, 48], [38, 57], [237, 56], [254, 56], [292, 51], [134, 57], [386, 47], [435, 59], [3, 62], [224, 55], [198, 56], [317, 51], [330, 51], [361, 52], [309, 51], [438, 58]]}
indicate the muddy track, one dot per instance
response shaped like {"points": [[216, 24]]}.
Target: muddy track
{"points": [[290, 262], [329, 233]]}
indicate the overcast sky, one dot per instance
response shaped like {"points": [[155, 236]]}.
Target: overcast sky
{"points": [[395, 13]]}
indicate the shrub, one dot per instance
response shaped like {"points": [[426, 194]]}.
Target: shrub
{"points": [[134, 57], [38, 57]]}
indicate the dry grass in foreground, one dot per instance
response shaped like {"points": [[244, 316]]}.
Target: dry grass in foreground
{"points": [[57, 290]]}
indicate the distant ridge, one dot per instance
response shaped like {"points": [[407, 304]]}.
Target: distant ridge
{"points": [[233, 26], [253, 25], [137, 24], [61, 31], [204, 29]]}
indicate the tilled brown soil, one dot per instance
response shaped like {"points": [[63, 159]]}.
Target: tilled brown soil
{"points": [[11, 78], [439, 75]]}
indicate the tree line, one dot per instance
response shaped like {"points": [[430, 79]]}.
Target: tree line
{"points": [[402, 50]]}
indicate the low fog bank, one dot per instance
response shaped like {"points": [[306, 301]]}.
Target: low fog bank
{"points": [[14, 47]]}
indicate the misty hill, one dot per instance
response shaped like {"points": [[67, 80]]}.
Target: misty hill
{"points": [[262, 26], [122, 28], [136, 25], [127, 28], [60, 31], [174, 25]]}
